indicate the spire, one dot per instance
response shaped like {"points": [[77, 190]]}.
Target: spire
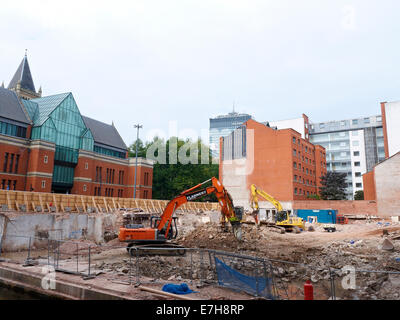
{"points": [[23, 76]]}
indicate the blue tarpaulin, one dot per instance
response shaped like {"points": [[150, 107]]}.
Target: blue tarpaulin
{"points": [[177, 288]]}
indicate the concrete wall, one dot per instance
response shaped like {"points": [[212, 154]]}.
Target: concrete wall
{"points": [[387, 186], [73, 226], [392, 116], [297, 124], [235, 181]]}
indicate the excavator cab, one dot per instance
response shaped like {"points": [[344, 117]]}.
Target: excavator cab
{"points": [[281, 216], [173, 230]]}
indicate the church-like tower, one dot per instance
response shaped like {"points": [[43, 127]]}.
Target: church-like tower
{"points": [[22, 82]]}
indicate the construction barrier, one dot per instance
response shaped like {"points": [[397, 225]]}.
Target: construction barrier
{"points": [[22, 201]]}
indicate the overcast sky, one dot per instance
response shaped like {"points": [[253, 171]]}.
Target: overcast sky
{"points": [[156, 61]]}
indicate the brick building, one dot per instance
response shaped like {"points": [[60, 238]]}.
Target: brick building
{"points": [[280, 162], [46, 145]]}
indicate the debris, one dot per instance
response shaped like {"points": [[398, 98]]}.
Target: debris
{"points": [[387, 245]]}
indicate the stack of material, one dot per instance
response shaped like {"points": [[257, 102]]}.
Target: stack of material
{"points": [[132, 218]]}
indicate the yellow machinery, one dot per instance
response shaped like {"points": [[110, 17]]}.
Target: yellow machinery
{"points": [[282, 217]]}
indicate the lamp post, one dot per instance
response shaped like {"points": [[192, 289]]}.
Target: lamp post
{"points": [[138, 127]]}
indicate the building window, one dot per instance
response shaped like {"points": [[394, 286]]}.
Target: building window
{"points": [[16, 163], [46, 159], [354, 133], [295, 165], [356, 153], [355, 121], [322, 125], [367, 120], [357, 164], [358, 174], [379, 118], [11, 163], [356, 143], [5, 162], [295, 178], [43, 184], [358, 185], [86, 166], [294, 152], [145, 194], [295, 190], [342, 123], [294, 140], [84, 188]]}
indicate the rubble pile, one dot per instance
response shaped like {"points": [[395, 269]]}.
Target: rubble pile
{"points": [[372, 253]]}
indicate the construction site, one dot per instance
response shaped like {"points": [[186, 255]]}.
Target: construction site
{"points": [[291, 209], [80, 247]]}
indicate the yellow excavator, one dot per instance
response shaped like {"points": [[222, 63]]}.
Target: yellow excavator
{"points": [[282, 217]]}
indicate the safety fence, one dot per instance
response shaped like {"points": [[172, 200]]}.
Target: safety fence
{"points": [[38, 202], [255, 276]]}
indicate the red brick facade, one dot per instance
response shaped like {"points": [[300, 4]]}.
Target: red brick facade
{"points": [[285, 164], [28, 166]]}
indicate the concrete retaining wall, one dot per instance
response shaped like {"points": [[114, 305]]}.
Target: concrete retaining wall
{"points": [[73, 226]]}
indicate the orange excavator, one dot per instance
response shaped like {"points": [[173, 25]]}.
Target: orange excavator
{"points": [[164, 228]]}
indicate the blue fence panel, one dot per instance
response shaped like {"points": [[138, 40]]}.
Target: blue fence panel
{"points": [[230, 278]]}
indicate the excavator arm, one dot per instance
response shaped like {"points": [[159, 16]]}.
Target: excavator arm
{"points": [[224, 199], [160, 232], [257, 192]]}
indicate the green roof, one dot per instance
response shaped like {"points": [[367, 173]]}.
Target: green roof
{"points": [[46, 106], [30, 107]]}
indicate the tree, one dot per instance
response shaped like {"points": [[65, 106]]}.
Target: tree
{"points": [[141, 149], [170, 176], [359, 195], [333, 186]]}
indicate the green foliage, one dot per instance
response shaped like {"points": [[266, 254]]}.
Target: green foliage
{"points": [[314, 197], [333, 186], [141, 149], [173, 177], [359, 195]]}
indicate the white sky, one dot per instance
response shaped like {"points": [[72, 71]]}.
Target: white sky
{"points": [[156, 61]]}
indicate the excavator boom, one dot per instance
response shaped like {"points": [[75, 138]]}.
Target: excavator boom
{"points": [[161, 231], [283, 218]]}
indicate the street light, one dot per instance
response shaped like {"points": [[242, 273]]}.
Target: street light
{"points": [[138, 127]]}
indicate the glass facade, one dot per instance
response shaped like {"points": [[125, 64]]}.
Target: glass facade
{"points": [[109, 152], [63, 177], [61, 123], [12, 130], [64, 126], [223, 126]]}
